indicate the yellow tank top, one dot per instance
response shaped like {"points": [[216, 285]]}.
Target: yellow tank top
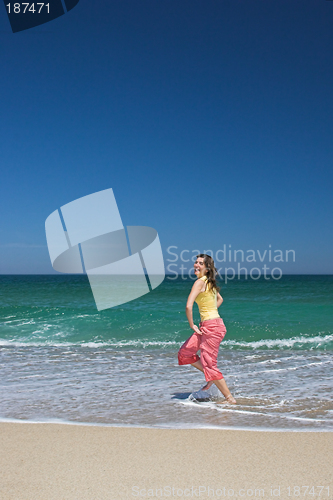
{"points": [[207, 303]]}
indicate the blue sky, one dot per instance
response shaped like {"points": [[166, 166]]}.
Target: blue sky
{"points": [[211, 120]]}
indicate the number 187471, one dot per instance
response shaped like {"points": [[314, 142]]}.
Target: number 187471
{"points": [[23, 8]]}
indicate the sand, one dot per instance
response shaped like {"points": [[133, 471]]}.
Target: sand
{"points": [[57, 461]]}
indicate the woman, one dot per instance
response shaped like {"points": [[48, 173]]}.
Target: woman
{"points": [[208, 337]]}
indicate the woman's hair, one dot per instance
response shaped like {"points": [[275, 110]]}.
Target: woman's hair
{"points": [[211, 271]]}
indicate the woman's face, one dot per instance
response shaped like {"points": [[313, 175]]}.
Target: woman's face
{"points": [[199, 267]]}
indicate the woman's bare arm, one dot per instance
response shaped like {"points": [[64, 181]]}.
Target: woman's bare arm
{"points": [[219, 300], [196, 289]]}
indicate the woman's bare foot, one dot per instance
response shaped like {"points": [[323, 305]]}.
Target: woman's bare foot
{"points": [[208, 385], [230, 399]]}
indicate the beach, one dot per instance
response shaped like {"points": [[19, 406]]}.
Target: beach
{"points": [[78, 462], [93, 405]]}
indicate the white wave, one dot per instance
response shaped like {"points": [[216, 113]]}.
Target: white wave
{"points": [[122, 343], [59, 421], [236, 410], [305, 342], [271, 343]]}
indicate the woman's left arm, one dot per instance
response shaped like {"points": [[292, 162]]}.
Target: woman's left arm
{"points": [[219, 300]]}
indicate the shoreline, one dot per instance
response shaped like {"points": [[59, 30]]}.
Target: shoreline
{"points": [[57, 461], [161, 427]]}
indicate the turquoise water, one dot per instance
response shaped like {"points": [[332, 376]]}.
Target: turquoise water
{"points": [[62, 359], [295, 311]]}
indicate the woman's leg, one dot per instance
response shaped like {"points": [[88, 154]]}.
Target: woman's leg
{"points": [[213, 333], [220, 384], [188, 353], [198, 365]]}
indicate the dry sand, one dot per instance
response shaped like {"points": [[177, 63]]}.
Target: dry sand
{"points": [[55, 461]]}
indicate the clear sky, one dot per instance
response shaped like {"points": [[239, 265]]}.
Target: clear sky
{"points": [[212, 121]]}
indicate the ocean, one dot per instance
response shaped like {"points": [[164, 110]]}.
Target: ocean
{"points": [[63, 361]]}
